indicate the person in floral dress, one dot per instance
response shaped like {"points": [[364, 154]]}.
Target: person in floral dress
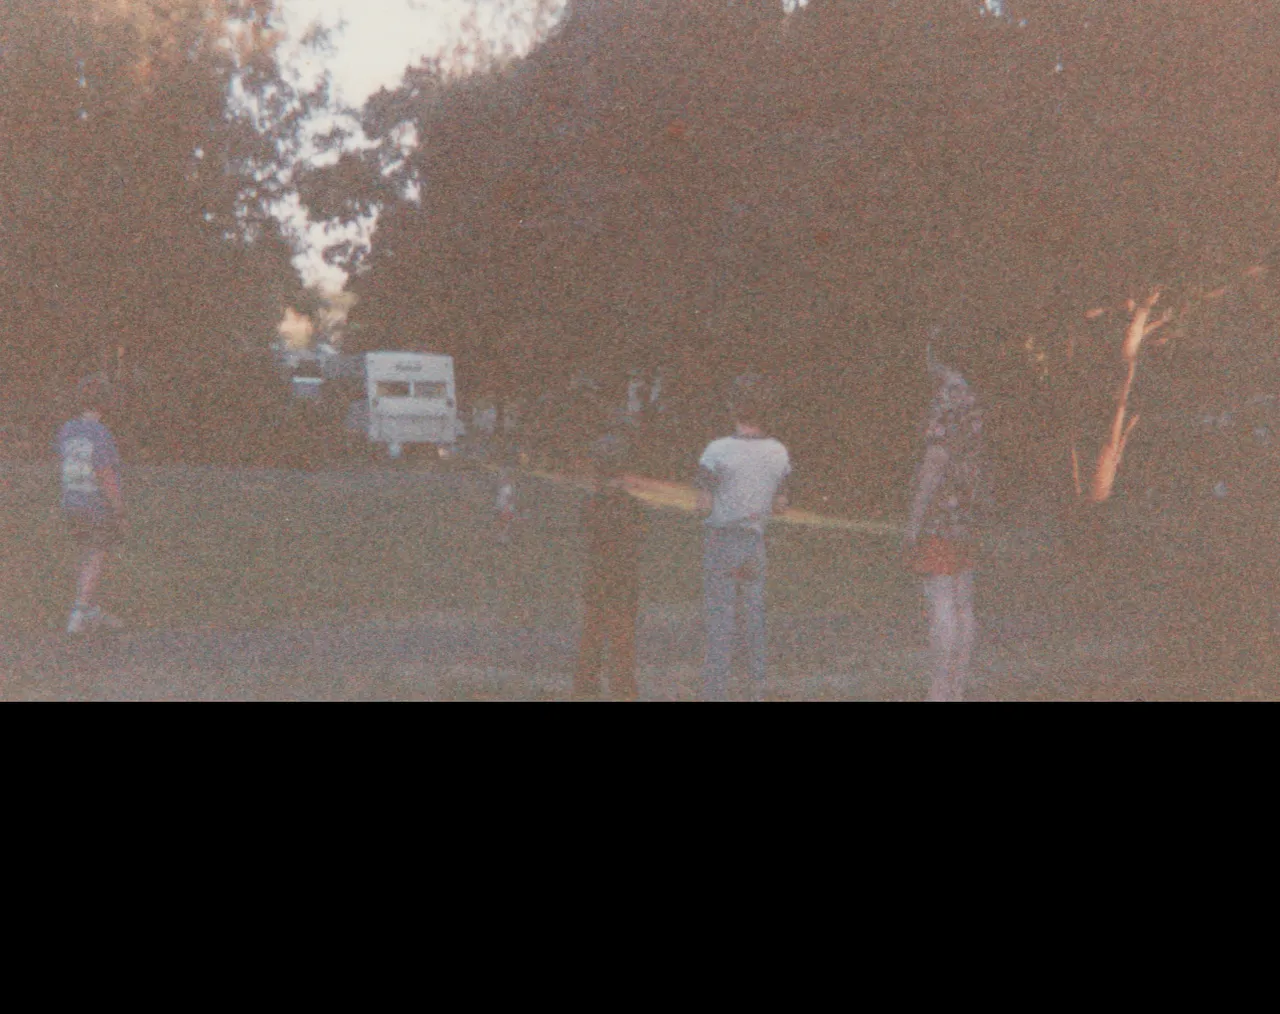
{"points": [[941, 538]]}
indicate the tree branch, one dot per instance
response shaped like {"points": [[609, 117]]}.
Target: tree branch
{"points": [[1157, 324], [1124, 438]]}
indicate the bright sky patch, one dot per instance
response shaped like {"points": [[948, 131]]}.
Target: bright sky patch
{"points": [[332, 57]]}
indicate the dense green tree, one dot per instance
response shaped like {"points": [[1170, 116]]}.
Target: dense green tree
{"points": [[119, 251], [710, 188], [721, 188]]}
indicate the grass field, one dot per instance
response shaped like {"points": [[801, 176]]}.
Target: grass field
{"points": [[245, 549], [381, 583]]}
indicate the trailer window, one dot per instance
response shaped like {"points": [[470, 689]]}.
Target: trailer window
{"points": [[392, 389], [429, 389]]}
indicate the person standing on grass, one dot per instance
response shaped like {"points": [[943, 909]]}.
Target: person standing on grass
{"points": [[941, 538], [613, 524], [92, 505], [740, 483], [504, 505]]}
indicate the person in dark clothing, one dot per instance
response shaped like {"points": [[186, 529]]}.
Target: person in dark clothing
{"points": [[613, 524]]}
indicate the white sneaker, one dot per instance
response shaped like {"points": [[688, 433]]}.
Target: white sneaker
{"points": [[93, 618]]}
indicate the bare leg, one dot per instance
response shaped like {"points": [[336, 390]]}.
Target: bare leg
{"points": [[966, 634], [940, 591], [91, 567]]}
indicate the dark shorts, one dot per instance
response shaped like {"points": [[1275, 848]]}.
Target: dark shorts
{"points": [[93, 533]]}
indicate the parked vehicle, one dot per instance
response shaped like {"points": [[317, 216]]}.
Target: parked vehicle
{"points": [[411, 399]]}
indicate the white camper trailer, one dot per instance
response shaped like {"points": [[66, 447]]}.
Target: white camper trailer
{"points": [[411, 399]]}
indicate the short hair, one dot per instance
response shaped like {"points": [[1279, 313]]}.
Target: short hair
{"points": [[962, 342], [93, 392], [750, 409]]}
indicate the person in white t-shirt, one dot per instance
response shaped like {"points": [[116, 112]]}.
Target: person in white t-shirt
{"points": [[740, 481]]}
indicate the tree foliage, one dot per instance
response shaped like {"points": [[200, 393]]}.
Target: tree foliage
{"points": [[717, 188], [721, 189], [117, 207]]}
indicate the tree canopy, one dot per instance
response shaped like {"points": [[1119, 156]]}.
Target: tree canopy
{"points": [[715, 188], [722, 189]]}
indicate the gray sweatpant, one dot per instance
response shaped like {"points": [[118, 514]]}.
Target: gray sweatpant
{"points": [[733, 571]]}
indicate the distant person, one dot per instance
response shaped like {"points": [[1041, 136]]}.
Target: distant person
{"points": [[941, 538], [740, 481], [504, 505], [92, 505], [614, 525]]}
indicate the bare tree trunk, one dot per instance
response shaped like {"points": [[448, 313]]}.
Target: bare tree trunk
{"points": [[1109, 457], [1112, 452], [1077, 482]]}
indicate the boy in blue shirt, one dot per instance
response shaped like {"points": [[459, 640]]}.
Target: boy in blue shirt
{"points": [[92, 506]]}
